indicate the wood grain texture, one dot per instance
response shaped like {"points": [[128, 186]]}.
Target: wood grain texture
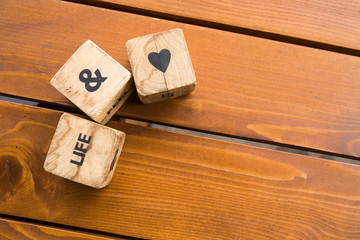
{"points": [[153, 84], [84, 151], [175, 186], [16, 230], [247, 87], [102, 98], [333, 22]]}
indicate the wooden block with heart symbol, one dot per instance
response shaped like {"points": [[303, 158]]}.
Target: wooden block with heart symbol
{"points": [[94, 82], [84, 151], [161, 65]]}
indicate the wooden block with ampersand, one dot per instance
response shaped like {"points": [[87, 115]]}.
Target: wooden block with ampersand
{"points": [[161, 66], [94, 82], [84, 151]]}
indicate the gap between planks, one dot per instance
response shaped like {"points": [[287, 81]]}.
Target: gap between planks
{"points": [[248, 142], [220, 26], [67, 227]]}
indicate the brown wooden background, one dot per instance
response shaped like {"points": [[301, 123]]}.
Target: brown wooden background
{"points": [[285, 73]]}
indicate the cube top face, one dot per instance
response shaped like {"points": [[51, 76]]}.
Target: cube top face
{"points": [[84, 151], [94, 82], [161, 65]]}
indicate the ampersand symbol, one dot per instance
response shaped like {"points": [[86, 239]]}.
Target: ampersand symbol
{"points": [[88, 79]]}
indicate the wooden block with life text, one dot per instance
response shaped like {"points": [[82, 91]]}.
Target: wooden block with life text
{"points": [[94, 82], [161, 66], [84, 151]]}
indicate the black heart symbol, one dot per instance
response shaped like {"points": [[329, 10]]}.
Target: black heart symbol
{"points": [[160, 60]]}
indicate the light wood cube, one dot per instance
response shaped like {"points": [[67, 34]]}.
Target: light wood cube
{"points": [[161, 66], [84, 151], [94, 82]]}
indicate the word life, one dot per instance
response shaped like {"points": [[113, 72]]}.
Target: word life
{"points": [[80, 150], [89, 81], [160, 60]]}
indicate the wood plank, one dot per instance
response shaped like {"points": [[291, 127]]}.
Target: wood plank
{"points": [[246, 86], [16, 230], [334, 22], [176, 186]]}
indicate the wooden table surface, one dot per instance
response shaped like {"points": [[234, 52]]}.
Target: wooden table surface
{"points": [[285, 73]]}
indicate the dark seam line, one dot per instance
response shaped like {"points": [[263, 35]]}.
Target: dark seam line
{"points": [[64, 227], [157, 50], [190, 131], [221, 26]]}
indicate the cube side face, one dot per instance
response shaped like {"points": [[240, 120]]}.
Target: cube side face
{"points": [[157, 97], [83, 151], [181, 91], [92, 80], [161, 66], [121, 97]]}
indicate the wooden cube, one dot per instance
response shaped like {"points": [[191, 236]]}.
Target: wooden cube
{"points": [[161, 65], [84, 151], [94, 82]]}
